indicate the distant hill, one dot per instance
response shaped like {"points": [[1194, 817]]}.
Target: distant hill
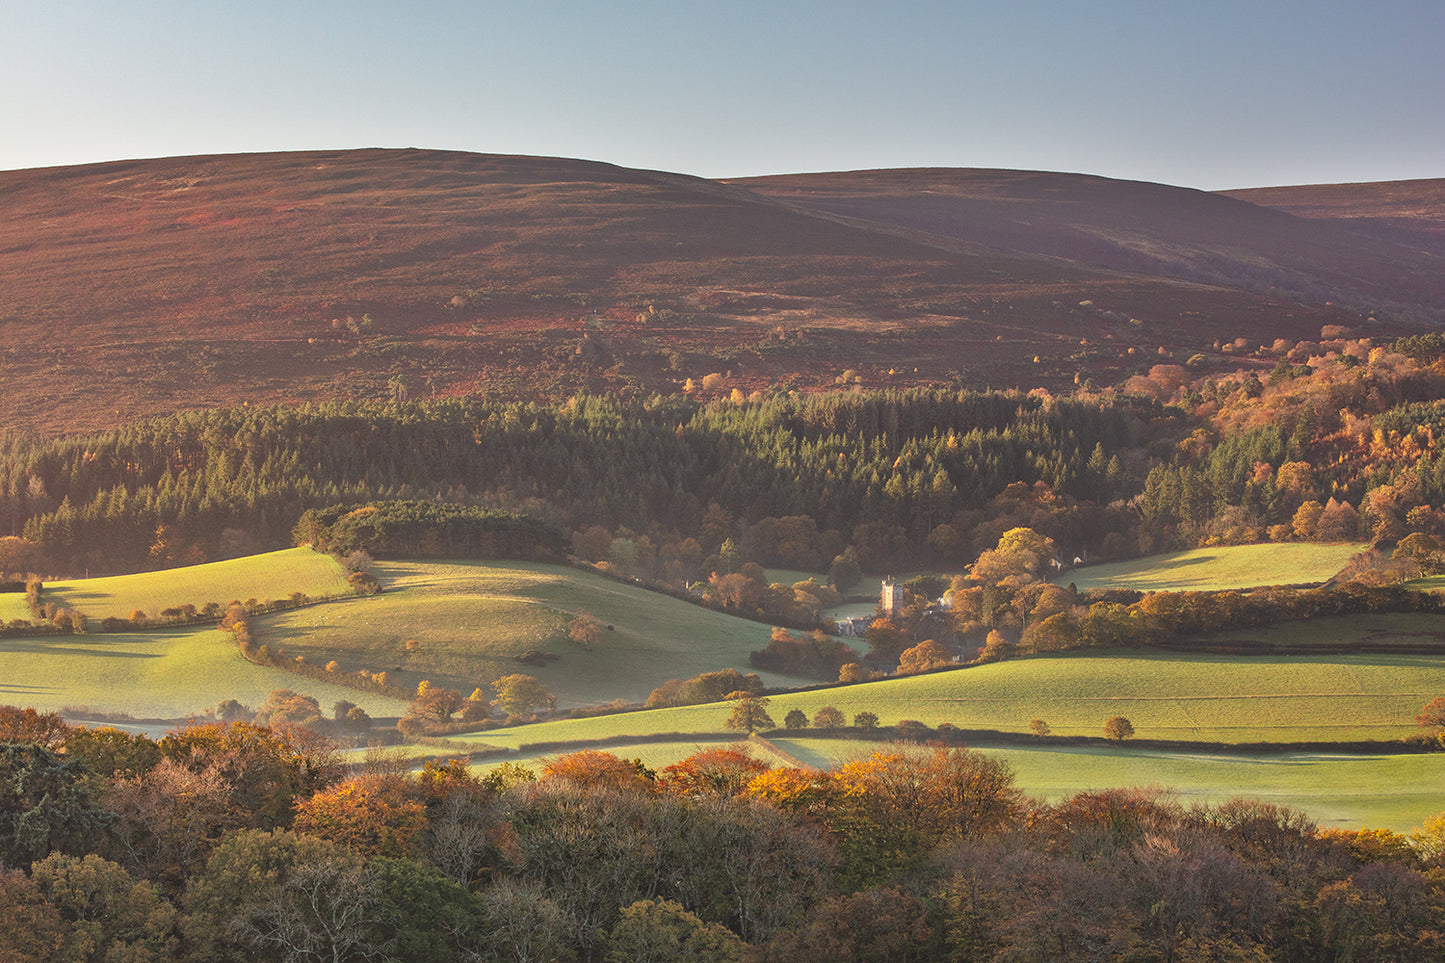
{"points": [[1409, 213], [1357, 245], [141, 287]]}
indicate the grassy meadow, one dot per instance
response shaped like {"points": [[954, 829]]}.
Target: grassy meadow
{"points": [[12, 606], [162, 675], [470, 620], [1221, 567], [1225, 699], [274, 575]]}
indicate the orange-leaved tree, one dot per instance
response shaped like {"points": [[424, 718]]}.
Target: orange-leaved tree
{"points": [[711, 772], [371, 815], [593, 769]]}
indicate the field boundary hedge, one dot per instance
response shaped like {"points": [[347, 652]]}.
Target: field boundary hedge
{"points": [[996, 737]]}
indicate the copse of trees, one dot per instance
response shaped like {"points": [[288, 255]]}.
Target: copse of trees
{"points": [[429, 529]]}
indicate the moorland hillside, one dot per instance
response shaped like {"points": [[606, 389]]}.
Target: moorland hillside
{"points": [[140, 287], [1314, 245], [1410, 213]]}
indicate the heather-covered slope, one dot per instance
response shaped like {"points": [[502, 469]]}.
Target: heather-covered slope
{"points": [[140, 287]]}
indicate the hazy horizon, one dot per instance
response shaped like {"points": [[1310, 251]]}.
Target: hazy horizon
{"points": [[1227, 96]]}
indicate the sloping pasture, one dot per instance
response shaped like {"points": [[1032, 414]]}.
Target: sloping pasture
{"points": [[469, 621], [1222, 699], [274, 575], [162, 675], [1220, 567]]}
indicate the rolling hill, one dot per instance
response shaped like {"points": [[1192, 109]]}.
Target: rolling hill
{"points": [[140, 287], [1294, 242], [1409, 213]]}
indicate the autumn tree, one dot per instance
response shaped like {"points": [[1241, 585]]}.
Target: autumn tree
{"points": [[1053, 634], [518, 694], [264, 770], [109, 752], [795, 719], [829, 717], [593, 769], [885, 638], [924, 656], [585, 630], [750, 713], [711, 772], [371, 815], [1433, 715], [1118, 728], [865, 720], [1306, 519], [284, 707], [30, 925], [857, 672], [996, 648], [1022, 554], [45, 729], [437, 703], [706, 687], [899, 804]]}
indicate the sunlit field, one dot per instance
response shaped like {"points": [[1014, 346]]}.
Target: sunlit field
{"points": [[1221, 567], [274, 575]]}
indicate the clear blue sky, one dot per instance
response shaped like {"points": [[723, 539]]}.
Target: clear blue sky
{"points": [[1210, 94]]}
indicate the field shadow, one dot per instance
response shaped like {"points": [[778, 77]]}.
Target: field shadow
{"points": [[286, 633], [8, 689], [46, 647], [1186, 562], [70, 595]]}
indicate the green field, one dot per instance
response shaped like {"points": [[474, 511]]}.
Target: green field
{"points": [[274, 575], [470, 620], [1224, 699], [12, 606], [163, 675], [1222, 567]]}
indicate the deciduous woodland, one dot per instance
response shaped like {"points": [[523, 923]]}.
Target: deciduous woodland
{"points": [[239, 842]]}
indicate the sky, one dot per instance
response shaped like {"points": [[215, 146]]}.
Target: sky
{"points": [[1211, 95]]}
